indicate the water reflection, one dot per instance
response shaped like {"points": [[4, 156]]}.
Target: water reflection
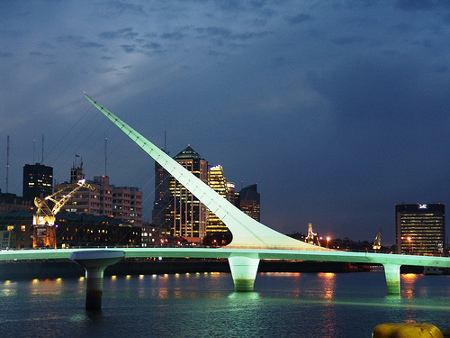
{"points": [[327, 315], [328, 280], [8, 288], [285, 305], [244, 296], [408, 281]]}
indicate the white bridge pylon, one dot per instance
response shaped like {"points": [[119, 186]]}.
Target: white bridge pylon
{"points": [[247, 232]]}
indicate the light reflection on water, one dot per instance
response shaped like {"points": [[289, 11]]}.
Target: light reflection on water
{"points": [[205, 305]]}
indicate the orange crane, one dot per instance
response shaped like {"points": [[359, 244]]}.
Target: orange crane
{"points": [[44, 232]]}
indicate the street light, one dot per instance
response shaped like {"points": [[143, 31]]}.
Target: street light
{"points": [[328, 240]]}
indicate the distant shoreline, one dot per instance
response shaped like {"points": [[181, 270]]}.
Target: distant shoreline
{"points": [[50, 269]]}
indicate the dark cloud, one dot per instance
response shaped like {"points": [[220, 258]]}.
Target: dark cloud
{"points": [[173, 36], [127, 8], [79, 41], [152, 45], [126, 33], [129, 48], [300, 18], [414, 5]]}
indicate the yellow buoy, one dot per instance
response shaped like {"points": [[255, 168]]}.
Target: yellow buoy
{"points": [[406, 330]]}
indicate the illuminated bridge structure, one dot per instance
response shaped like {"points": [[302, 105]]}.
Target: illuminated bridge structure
{"points": [[252, 241]]}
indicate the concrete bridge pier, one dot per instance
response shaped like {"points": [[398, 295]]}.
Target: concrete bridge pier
{"points": [[95, 263], [392, 274], [243, 270]]}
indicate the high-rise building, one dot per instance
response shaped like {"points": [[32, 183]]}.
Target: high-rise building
{"points": [[37, 181], [218, 182], [187, 215], [420, 229], [249, 201], [162, 197], [179, 211]]}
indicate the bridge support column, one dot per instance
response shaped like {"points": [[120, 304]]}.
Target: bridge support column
{"points": [[95, 263], [392, 274], [243, 271]]}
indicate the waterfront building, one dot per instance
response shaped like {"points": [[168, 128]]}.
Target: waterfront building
{"points": [[420, 229], [249, 201], [127, 204], [122, 203], [151, 235], [37, 181], [187, 215], [10, 202], [72, 230]]}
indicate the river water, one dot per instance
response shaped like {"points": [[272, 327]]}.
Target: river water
{"points": [[204, 305]]}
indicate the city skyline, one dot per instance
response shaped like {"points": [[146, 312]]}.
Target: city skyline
{"points": [[338, 111]]}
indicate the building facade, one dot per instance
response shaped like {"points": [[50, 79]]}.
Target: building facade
{"points": [[187, 215], [37, 181], [182, 214], [72, 230], [217, 181], [123, 203], [162, 198], [249, 201], [420, 229]]}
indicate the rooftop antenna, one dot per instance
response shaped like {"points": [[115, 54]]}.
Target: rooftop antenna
{"points": [[106, 152], [165, 141], [7, 161], [42, 159], [34, 146]]}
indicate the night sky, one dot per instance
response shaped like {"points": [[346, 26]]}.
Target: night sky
{"points": [[337, 109]]}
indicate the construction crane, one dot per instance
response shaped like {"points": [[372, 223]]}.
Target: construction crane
{"points": [[44, 232], [377, 241]]}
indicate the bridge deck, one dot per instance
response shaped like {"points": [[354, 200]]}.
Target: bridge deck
{"points": [[328, 256]]}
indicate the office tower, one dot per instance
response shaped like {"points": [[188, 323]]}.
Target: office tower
{"points": [[37, 181], [187, 215], [218, 182], [420, 229], [162, 197], [249, 201]]}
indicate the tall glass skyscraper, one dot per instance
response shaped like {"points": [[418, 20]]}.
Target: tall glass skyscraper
{"points": [[187, 214], [420, 229]]}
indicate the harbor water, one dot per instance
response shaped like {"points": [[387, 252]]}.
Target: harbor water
{"points": [[205, 305]]}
